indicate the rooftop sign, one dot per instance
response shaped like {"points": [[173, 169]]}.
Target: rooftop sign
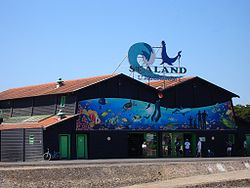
{"points": [[143, 53]]}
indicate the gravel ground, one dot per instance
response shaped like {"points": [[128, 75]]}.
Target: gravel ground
{"points": [[112, 175]]}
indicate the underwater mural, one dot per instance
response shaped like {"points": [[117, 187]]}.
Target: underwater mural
{"points": [[119, 113]]}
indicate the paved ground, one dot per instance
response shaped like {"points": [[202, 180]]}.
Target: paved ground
{"points": [[201, 180], [117, 161]]}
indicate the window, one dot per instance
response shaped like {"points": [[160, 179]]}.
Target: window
{"points": [[151, 145], [62, 101], [31, 139]]}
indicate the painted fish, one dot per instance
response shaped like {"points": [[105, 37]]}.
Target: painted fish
{"points": [[93, 116], [104, 114], [102, 101], [136, 118], [125, 120], [113, 121], [128, 106]]}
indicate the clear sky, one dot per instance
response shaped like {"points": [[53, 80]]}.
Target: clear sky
{"points": [[43, 40]]}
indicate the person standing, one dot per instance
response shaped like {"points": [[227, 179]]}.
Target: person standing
{"points": [[144, 149], [245, 148], [199, 145], [178, 148], [187, 148], [229, 149], [169, 148]]}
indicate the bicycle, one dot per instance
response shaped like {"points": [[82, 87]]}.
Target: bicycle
{"points": [[48, 156]]}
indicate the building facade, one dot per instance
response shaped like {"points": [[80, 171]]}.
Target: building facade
{"points": [[115, 116]]}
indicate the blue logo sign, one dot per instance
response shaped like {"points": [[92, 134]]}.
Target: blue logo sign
{"points": [[146, 53], [164, 55]]}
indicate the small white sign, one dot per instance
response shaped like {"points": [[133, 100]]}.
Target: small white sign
{"points": [[202, 139]]}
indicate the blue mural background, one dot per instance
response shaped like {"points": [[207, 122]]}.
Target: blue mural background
{"points": [[119, 113]]}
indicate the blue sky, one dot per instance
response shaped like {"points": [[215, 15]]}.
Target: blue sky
{"points": [[43, 40]]}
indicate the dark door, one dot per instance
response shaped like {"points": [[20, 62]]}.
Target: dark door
{"points": [[177, 144], [248, 144], [191, 137], [135, 141]]}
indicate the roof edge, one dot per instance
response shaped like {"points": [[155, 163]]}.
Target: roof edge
{"points": [[111, 76], [232, 94]]}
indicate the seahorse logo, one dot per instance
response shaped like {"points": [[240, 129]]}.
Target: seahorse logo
{"points": [[145, 51]]}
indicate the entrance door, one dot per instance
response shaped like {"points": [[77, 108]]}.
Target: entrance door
{"points": [[64, 146], [191, 137], [81, 146], [166, 144], [177, 144], [151, 142], [135, 141], [248, 144], [173, 144]]}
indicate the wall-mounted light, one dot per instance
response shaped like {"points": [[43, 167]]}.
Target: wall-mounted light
{"points": [[108, 138], [212, 138]]}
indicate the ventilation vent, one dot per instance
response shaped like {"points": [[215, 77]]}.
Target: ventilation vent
{"points": [[59, 82]]}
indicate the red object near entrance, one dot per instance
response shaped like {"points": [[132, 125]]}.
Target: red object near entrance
{"points": [[160, 95]]}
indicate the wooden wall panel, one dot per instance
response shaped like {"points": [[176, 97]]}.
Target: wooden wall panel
{"points": [[33, 144], [12, 144], [22, 107], [44, 105]]}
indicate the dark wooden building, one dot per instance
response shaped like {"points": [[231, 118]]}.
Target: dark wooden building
{"points": [[114, 116]]}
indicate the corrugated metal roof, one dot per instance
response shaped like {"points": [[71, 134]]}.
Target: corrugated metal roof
{"points": [[39, 124], [25, 119], [50, 88]]}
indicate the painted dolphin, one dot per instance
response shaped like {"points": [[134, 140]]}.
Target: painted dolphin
{"points": [[149, 104], [164, 55], [182, 111], [157, 112]]}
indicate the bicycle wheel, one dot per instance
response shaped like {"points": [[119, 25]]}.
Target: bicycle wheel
{"points": [[47, 156]]}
